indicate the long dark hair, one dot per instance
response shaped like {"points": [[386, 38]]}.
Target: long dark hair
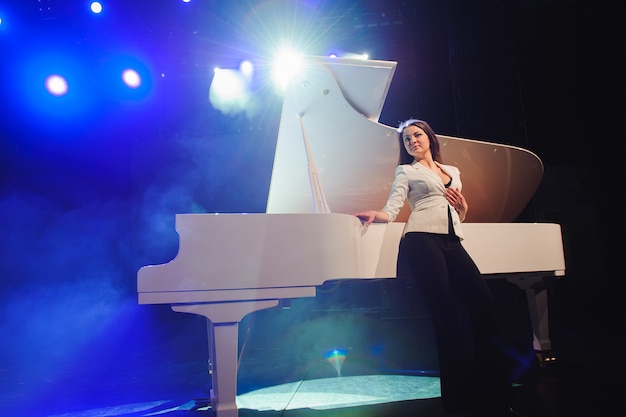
{"points": [[404, 157]]}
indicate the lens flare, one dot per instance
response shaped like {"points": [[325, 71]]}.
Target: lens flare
{"points": [[336, 357]]}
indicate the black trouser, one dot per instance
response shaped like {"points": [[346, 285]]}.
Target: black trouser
{"points": [[471, 360]]}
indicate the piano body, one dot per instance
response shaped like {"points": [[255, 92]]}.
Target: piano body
{"points": [[333, 158]]}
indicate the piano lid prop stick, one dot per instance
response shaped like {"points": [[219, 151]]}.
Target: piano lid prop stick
{"points": [[319, 198]]}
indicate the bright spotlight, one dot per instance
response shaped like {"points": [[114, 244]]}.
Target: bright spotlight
{"points": [[246, 69], [286, 66], [56, 85], [95, 7], [229, 92], [227, 84], [131, 78]]}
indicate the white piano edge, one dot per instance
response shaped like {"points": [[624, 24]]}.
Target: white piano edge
{"points": [[495, 248], [224, 296], [514, 249], [236, 295]]}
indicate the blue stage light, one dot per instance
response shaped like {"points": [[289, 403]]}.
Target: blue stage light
{"points": [[96, 7], [56, 85]]}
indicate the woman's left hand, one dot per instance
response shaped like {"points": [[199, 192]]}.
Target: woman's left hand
{"points": [[456, 200]]}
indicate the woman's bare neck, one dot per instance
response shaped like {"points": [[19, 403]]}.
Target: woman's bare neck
{"points": [[428, 162]]}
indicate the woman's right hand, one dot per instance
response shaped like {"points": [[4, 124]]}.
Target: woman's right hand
{"points": [[370, 216]]}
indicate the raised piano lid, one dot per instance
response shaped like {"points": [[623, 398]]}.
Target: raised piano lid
{"points": [[331, 112]]}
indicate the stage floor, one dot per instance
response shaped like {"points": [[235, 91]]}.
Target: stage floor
{"points": [[150, 361]]}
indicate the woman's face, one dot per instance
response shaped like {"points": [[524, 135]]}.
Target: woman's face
{"points": [[415, 141]]}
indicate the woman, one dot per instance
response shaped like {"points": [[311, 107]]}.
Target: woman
{"points": [[472, 375]]}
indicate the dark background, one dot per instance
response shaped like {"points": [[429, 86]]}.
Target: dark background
{"points": [[88, 191]]}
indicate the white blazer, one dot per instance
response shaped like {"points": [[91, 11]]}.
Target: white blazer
{"points": [[426, 196]]}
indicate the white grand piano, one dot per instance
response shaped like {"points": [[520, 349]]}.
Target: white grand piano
{"points": [[333, 158]]}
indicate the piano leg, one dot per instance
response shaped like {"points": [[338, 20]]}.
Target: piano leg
{"points": [[224, 347], [538, 307], [537, 298]]}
